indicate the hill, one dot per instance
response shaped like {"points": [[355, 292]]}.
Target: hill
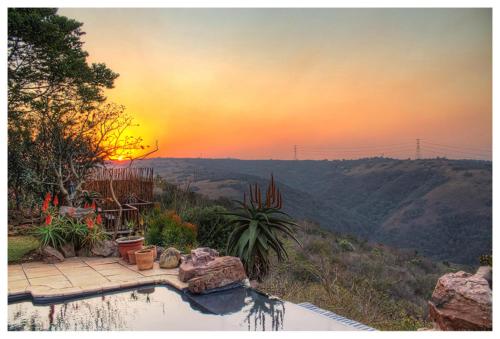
{"points": [[441, 208]]}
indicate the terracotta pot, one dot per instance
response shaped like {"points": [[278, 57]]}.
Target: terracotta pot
{"points": [[144, 259], [126, 244], [153, 249], [131, 256]]}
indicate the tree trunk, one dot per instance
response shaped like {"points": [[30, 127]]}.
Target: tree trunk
{"points": [[118, 220]]}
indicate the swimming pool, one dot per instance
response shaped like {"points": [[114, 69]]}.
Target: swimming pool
{"points": [[164, 308]]}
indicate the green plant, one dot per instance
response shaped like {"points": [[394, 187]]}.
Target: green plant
{"points": [[74, 231], [345, 245], [166, 228], [94, 235], [486, 260], [213, 227], [257, 230], [50, 234]]}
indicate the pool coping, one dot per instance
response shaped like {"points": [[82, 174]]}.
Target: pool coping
{"points": [[46, 294]]}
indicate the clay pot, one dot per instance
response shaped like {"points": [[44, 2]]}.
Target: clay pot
{"points": [[131, 257], [144, 259], [153, 250], [126, 244]]}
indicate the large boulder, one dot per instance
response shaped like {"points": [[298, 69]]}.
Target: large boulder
{"points": [[51, 255], [204, 270], [105, 248], [68, 250], [170, 258], [461, 301]]}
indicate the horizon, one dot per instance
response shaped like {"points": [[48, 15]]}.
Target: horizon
{"points": [[253, 83]]}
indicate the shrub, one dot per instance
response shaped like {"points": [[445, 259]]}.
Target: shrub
{"points": [[165, 228], [51, 233], [213, 228], [345, 245]]}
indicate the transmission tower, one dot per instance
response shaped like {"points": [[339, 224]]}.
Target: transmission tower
{"points": [[294, 152], [417, 155]]}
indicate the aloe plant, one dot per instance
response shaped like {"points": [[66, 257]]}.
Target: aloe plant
{"points": [[258, 229]]}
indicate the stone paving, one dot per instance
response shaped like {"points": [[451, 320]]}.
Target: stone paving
{"points": [[84, 275]]}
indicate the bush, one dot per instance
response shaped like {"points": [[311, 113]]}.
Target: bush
{"points": [[166, 228], [345, 245], [213, 228]]}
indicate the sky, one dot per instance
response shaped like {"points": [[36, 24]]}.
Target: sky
{"points": [[338, 83]]}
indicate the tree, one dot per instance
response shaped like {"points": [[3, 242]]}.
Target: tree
{"points": [[59, 126]]}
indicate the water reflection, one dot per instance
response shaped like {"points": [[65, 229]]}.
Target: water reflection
{"points": [[150, 308]]}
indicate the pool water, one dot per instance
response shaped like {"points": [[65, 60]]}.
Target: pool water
{"points": [[164, 308]]}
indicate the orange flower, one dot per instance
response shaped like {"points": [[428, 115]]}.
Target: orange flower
{"points": [[45, 205], [90, 223], [190, 226], [93, 205], [98, 220], [86, 205], [48, 219], [48, 197], [56, 201]]}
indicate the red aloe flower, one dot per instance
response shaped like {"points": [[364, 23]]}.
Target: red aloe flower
{"points": [[45, 205], [98, 220], [86, 205], [93, 205], [48, 219], [56, 201], [90, 223], [48, 197]]}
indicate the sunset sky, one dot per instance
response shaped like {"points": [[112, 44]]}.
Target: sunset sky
{"points": [[339, 83]]}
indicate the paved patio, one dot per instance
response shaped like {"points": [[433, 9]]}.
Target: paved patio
{"points": [[84, 275]]}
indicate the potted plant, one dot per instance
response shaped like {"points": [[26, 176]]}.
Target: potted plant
{"points": [[144, 259], [126, 244], [131, 256], [153, 250]]}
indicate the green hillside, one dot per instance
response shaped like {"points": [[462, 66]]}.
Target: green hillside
{"points": [[439, 207]]}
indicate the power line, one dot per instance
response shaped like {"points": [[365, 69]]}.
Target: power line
{"points": [[483, 150]]}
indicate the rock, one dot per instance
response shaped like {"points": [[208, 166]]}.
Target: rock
{"points": [[75, 212], [461, 301], [202, 255], [83, 252], [68, 250], [170, 258], [204, 270], [51, 255], [220, 272], [159, 251], [105, 248], [486, 273]]}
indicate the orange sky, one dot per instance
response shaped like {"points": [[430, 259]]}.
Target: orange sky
{"points": [[339, 83]]}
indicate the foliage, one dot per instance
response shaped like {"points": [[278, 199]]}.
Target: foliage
{"points": [[19, 246], [486, 260], [94, 235], [75, 232], [257, 230], [51, 234], [372, 284], [166, 228], [345, 245], [213, 226], [58, 122]]}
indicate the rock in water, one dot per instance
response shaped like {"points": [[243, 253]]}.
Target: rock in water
{"points": [[68, 250], [105, 248], [170, 258], [461, 301], [51, 255], [204, 270]]}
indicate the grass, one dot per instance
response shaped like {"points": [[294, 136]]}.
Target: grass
{"points": [[19, 246]]}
